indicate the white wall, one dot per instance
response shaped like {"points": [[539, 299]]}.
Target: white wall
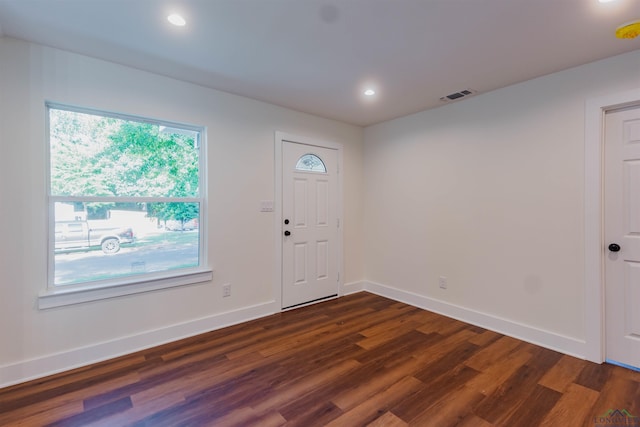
{"points": [[489, 192], [241, 173]]}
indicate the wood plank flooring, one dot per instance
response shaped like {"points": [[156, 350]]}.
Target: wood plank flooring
{"points": [[355, 361]]}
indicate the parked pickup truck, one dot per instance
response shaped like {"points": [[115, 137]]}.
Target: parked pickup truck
{"points": [[74, 235]]}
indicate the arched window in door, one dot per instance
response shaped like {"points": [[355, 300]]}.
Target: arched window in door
{"points": [[311, 163]]}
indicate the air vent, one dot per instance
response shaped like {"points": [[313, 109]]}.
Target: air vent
{"points": [[458, 95]]}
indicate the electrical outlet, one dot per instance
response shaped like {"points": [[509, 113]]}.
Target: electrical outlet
{"points": [[442, 282], [226, 290]]}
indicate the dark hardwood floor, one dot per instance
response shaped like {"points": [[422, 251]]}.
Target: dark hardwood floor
{"points": [[354, 361]]}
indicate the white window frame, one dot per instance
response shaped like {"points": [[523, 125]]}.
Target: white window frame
{"points": [[61, 295]]}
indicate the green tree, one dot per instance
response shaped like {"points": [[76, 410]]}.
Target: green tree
{"points": [[177, 211], [142, 161], [103, 156], [75, 141]]}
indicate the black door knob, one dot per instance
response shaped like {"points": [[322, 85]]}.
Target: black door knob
{"points": [[287, 233], [614, 247], [286, 221]]}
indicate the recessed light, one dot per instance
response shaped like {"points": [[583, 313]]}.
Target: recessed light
{"points": [[369, 92], [176, 20], [606, 1]]}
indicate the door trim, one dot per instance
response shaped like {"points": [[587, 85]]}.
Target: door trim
{"points": [[280, 139], [595, 109]]}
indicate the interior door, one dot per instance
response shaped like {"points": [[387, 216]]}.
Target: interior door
{"points": [[309, 223], [622, 236]]}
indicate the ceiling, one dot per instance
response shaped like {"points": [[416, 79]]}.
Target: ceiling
{"points": [[318, 56]]}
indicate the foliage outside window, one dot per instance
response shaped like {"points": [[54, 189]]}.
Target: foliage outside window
{"points": [[126, 197]]}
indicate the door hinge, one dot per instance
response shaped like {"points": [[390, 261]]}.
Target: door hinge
{"points": [[338, 223], [338, 277]]}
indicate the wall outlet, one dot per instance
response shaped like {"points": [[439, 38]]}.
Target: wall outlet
{"points": [[226, 290], [442, 282]]}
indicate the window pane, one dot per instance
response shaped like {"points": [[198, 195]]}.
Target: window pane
{"points": [[310, 162], [93, 155], [111, 240]]}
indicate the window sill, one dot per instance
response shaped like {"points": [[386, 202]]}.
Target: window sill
{"points": [[60, 297]]}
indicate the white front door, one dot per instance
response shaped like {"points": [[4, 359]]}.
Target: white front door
{"points": [[622, 236], [309, 223]]}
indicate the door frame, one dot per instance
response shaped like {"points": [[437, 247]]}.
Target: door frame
{"points": [[594, 254], [280, 139]]}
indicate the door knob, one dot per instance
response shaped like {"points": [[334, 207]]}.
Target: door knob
{"points": [[614, 247], [286, 221], [287, 233]]}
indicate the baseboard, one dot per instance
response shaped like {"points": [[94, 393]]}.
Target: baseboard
{"points": [[51, 364], [543, 338], [55, 363], [352, 288]]}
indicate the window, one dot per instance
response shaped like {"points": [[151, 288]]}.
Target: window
{"points": [[311, 163], [126, 199]]}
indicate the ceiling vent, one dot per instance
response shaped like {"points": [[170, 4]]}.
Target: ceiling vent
{"points": [[458, 95]]}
